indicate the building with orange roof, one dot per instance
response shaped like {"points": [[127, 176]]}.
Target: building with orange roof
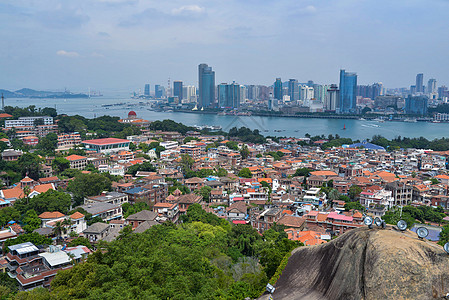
{"points": [[77, 161], [30, 140]]}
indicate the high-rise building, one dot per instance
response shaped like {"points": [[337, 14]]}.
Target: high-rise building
{"points": [[307, 93], [320, 92], [370, 91], [206, 80], [159, 91], [442, 92], [147, 90], [332, 98], [189, 93], [278, 89], [432, 86], [420, 83], [229, 95], [293, 89], [348, 89], [416, 105], [177, 89]]}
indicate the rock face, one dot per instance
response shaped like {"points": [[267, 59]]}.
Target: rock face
{"points": [[366, 264]]}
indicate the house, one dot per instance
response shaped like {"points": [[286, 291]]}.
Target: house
{"points": [[32, 268], [237, 211], [96, 232], [167, 211], [138, 218], [297, 223], [264, 220], [108, 197], [194, 183], [11, 155], [185, 201], [79, 223], [77, 161], [106, 211]]}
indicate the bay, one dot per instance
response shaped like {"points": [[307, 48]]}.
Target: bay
{"points": [[273, 126]]}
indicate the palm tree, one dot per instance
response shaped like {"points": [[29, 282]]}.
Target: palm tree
{"points": [[58, 229]]}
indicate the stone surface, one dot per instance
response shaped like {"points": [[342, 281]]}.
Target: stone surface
{"points": [[366, 264]]}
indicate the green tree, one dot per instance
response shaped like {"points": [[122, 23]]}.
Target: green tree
{"points": [[354, 205], [80, 241], [244, 152], [145, 167], [302, 172], [60, 164], [31, 220], [245, 173], [354, 192], [51, 200], [444, 235], [29, 164], [85, 185], [205, 192]]}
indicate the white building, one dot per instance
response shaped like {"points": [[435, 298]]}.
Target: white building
{"points": [[28, 121]]}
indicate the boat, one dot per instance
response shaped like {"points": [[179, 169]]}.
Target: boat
{"points": [[379, 120], [195, 108], [410, 120], [436, 121], [362, 119]]}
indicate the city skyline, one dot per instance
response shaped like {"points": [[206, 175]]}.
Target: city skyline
{"points": [[122, 44]]}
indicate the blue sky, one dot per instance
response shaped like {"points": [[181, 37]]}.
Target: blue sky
{"points": [[123, 44]]}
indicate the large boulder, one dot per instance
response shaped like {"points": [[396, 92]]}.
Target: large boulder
{"points": [[366, 264]]}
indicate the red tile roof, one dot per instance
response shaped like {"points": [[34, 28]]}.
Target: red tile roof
{"points": [[105, 141], [51, 215]]}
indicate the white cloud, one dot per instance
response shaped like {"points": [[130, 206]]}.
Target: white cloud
{"points": [[188, 9], [310, 9], [67, 53]]}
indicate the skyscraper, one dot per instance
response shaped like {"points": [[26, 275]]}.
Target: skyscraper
{"points": [[348, 89], [206, 88], [293, 89], [147, 90], [229, 95], [278, 89], [420, 83], [177, 90], [158, 91], [432, 86], [332, 98]]}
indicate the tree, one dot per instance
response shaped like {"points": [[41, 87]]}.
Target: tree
{"points": [[48, 144], [29, 165], [132, 147], [205, 192], [354, 192], [58, 229], [85, 185], [145, 167], [186, 162], [334, 195], [51, 200], [444, 235], [31, 220], [302, 172], [354, 205], [232, 145], [80, 241], [245, 173], [60, 164], [244, 152]]}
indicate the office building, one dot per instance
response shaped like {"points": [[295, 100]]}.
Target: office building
{"points": [[320, 91], [206, 80], [432, 86], [229, 95], [293, 89], [159, 91], [278, 89], [332, 98], [442, 92], [147, 90], [189, 93], [370, 91], [416, 105], [306, 93], [177, 89], [420, 83], [348, 89]]}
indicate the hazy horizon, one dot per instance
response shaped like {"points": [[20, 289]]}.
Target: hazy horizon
{"points": [[119, 45]]}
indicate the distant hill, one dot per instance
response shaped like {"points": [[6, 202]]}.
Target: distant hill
{"points": [[366, 264], [30, 93]]}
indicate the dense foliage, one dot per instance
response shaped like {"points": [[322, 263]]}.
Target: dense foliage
{"points": [[51, 200], [144, 167], [88, 185], [247, 135], [204, 258], [411, 214], [170, 125]]}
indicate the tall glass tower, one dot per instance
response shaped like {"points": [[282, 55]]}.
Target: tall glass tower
{"points": [[229, 95], [177, 90], [278, 89], [348, 90], [206, 86], [420, 83]]}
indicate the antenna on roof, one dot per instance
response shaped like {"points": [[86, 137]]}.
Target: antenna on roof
{"points": [[3, 102]]}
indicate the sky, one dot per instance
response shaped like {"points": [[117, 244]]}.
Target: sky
{"points": [[119, 45]]}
